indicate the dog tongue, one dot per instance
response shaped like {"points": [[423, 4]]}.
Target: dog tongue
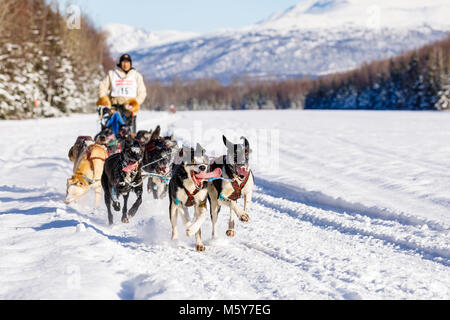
{"points": [[208, 175], [131, 167], [242, 171], [165, 170]]}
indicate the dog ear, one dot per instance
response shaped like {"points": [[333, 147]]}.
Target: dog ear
{"points": [[199, 149], [156, 133], [184, 150], [227, 143], [246, 145], [71, 155], [186, 154]]}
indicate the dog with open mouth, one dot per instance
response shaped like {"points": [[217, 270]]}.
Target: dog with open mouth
{"points": [[158, 160], [121, 175], [238, 181], [107, 138], [188, 188], [88, 158]]}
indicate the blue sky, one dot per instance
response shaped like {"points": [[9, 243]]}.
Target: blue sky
{"points": [[181, 15]]}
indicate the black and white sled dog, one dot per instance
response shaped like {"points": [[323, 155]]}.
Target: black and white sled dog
{"points": [[122, 174], [188, 188], [158, 161], [237, 181]]}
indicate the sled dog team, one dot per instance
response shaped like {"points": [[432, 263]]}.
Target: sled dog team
{"points": [[186, 174]]}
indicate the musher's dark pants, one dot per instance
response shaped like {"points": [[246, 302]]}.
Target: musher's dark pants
{"points": [[133, 124]]}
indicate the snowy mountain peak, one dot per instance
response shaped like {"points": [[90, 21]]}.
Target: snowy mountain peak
{"points": [[313, 14], [317, 6], [312, 38], [124, 38]]}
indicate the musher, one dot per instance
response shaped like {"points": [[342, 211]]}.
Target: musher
{"points": [[124, 88]]}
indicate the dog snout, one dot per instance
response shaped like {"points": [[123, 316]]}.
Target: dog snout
{"points": [[202, 168], [68, 200]]}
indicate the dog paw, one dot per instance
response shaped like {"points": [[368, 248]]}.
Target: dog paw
{"points": [[245, 218], [125, 220], [116, 205], [230, 233], [200, 248]]}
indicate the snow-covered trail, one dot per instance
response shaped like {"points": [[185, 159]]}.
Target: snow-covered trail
{"points": [[354, 208]]}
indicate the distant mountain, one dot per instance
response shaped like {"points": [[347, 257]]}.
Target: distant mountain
{"points": [[314, 37], [365, 14], [123, 38]]}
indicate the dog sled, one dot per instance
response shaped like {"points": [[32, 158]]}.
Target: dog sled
{"points": [[186, 175], [116, 124]]}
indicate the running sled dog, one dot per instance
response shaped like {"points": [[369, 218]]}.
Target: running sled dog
{"points": [[237, 181], [122, 174], [89, 159], [158, 162], [188, 187]]}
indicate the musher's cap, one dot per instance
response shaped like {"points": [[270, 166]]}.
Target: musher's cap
{"points": [[125, 57]]}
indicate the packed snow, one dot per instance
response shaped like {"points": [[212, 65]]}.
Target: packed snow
{"points": [[347, 205]]}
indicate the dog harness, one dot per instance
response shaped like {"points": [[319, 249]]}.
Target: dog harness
{"points": [[91, 162], [238, 188], [91, 159], [191, 196]]}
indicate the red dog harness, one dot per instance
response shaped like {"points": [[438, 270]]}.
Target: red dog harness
{"points": [[238, 188], [91, 159], [191, 200]]}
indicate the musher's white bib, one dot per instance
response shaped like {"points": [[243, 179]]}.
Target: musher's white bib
{"points": [[123, 87]]}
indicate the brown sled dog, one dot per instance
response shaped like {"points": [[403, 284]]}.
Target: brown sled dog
{"points": [[89, 159]]}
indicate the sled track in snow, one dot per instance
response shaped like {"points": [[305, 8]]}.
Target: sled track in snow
{"points": [[254, 242], [405, 232]]}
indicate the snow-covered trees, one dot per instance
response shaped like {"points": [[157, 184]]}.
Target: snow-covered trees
{"points": [[45, 68], [241, 93], [444, 96], [418, 80]]}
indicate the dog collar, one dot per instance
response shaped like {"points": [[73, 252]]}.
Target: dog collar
{"points": [[89, 181]]}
